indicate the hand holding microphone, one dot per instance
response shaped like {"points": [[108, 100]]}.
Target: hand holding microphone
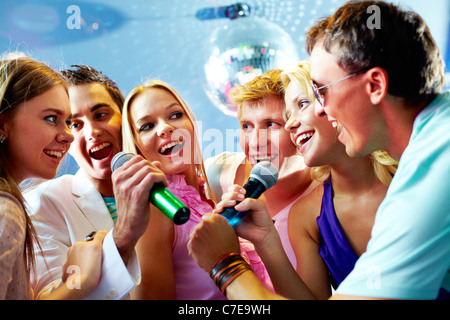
{"points": [[263, 176], [159, 196]]}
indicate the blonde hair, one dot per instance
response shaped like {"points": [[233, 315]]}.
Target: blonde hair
{"points": [[128, 139], [384, 166], [22, 79], [267, 84]]}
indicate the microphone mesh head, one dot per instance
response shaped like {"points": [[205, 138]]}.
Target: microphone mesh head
{"points": [[119, 160], [266, 173]]}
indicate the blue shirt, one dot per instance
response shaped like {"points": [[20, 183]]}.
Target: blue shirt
{"points": [[408, 256], [111, 205]]}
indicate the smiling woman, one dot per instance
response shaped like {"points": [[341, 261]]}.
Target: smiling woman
{"points": [[322, 225], [161, 128], [160, 110], [34, 134], [22, 112], [159, 125], [46, 114]]}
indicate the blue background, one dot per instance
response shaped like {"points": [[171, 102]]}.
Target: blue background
{"points": [[131, 41]]}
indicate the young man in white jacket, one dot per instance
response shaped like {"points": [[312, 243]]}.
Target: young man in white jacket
{"points": [[71, 207]]}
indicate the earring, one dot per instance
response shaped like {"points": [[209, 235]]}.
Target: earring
{"points": [[2, 138]]}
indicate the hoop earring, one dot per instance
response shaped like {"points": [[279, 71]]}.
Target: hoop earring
{"points": [[2, 138]]}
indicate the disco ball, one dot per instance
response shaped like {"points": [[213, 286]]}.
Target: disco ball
{"points": [[240, 50]]}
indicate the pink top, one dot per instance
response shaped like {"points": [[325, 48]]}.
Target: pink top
{"points": [[192, 282]]}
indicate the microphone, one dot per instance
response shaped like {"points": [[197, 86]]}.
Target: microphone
{"points": [[159, 196], [263, 176]]}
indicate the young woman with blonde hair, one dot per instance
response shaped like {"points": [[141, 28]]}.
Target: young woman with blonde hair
{"points": [[330, 227], [158, 124]]}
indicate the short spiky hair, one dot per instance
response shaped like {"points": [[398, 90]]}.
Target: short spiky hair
{"points": [[85, 74], [267, 84]]}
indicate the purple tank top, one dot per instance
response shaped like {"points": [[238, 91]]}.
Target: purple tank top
{"points": [[334, 248]]}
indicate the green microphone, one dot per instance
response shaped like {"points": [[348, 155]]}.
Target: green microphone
{"points": [[159, 196]]}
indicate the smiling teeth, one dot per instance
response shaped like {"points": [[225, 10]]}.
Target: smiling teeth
{"points": [[169, 145], [337, 126], [304, 137], [54, 153], [100, 147]]}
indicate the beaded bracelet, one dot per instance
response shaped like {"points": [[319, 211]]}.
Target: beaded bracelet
{"points": [[227, 268]]}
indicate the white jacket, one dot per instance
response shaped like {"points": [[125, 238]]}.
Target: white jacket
{"points": [[65, 210]]}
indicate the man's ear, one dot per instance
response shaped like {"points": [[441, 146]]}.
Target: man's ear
{"points": [[378, 84]]}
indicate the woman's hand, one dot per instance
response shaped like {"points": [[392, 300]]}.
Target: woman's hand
{"points": [[212, 238], [82, 270], [83, 267], [256, 224]]}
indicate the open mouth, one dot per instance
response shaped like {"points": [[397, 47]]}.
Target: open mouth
{"points": [[57, 154], [304, 138], [101, 151], [337, 126], [171, 147]]}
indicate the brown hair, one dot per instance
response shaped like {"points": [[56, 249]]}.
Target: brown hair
{"points": [[22, 79], [86, 75], [401, 43]]}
